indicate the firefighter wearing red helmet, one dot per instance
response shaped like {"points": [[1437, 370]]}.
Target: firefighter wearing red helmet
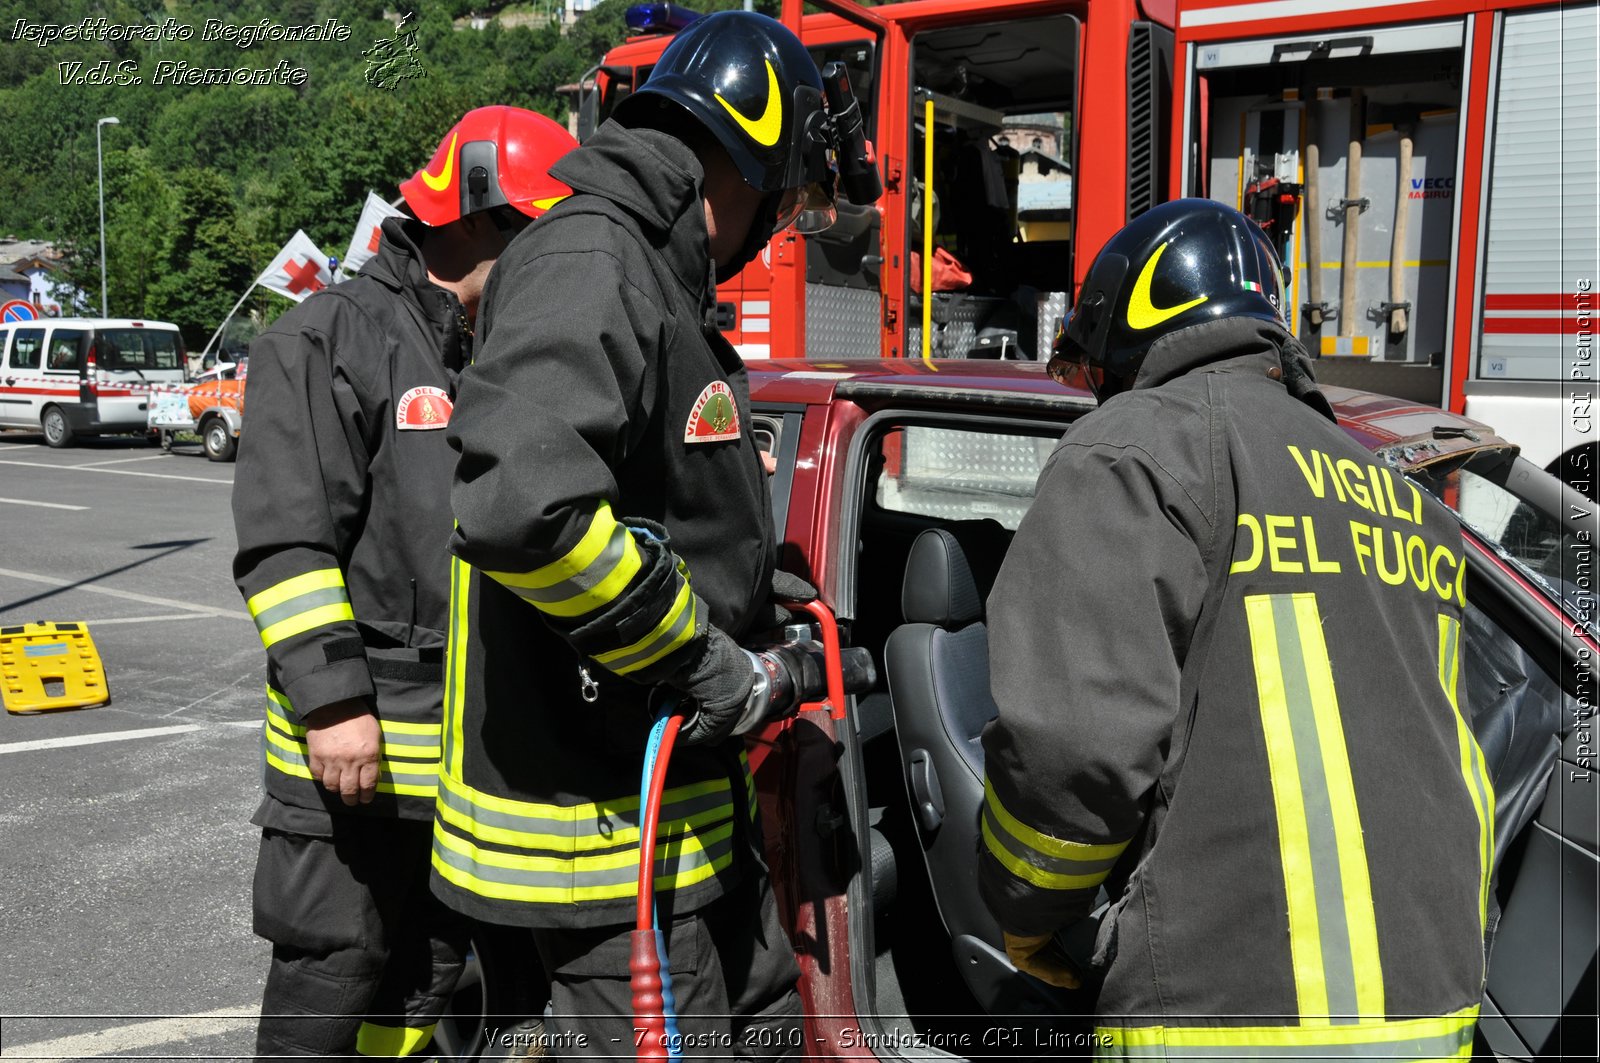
{"points": [[1225, 646], [342, 511], [615, 541]]}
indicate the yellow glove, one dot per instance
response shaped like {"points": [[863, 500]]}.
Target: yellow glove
{"points": [[1036, 956]]}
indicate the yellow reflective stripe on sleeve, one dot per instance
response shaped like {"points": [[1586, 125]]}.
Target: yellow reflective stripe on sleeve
{"points": [[588, 577], [1442, 1038], [607, 574], [1474, 771], [675, 629], [305, 583], [302, 622], [373, 1039], [576, 560], [309, 600], [1333, 938], [1038, 859]]}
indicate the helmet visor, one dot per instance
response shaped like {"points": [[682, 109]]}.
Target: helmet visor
{"points": [[807, 210], [1069, 364]]}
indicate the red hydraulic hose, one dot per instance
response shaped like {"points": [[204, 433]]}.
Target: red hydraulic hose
{"points": [[644, 961]]}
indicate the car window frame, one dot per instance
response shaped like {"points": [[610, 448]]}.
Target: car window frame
{"points": [[855, 485], [77, 368], [11, 349], [789, 417]]}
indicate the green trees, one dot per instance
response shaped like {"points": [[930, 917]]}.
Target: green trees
{"points": [[204, 182]]}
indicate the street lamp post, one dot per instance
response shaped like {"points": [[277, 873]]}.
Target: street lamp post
{"points": [[100, 166]]}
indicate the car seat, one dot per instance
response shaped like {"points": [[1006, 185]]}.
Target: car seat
{"points": [[938, 669]]}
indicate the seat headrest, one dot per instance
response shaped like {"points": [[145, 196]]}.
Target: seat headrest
{"points": [[939, 587]]}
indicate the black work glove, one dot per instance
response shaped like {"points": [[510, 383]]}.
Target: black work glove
{"points": [[716, 686], [786, 587]]}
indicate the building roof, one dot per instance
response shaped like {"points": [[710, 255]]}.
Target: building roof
{"points": [[13, 250]]}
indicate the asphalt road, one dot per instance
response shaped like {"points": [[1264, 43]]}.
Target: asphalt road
{"points": [[125, 834]]}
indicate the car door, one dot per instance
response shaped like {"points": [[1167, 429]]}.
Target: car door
{"points": [[126, 364], [1531, 688], [21, 378]]}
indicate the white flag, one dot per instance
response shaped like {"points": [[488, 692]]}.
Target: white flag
{"points": [[299, 270], [364, 244]]}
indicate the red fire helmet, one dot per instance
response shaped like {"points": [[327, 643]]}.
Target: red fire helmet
{"points": [[495, 156]]}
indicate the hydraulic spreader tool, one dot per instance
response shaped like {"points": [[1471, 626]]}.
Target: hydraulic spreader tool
{"points": [[804, 672]]}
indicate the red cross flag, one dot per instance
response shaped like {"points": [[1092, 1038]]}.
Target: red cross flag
{"points": [[365, 242], [298, 271]]}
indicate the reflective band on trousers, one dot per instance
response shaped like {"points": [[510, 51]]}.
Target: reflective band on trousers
{"points": [[1333, 935], [1040, 860], [299, 604], [1446, 1037], [392, 1041], [1474, 773], [682, 859]]}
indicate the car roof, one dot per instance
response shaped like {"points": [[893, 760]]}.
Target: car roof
{"points": [[1405, 433], [94, 322]]}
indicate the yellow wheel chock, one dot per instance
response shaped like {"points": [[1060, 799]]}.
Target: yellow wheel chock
{"points": [[50, 666]]}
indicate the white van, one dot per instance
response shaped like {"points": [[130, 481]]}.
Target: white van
{"points": [[73, 376]]}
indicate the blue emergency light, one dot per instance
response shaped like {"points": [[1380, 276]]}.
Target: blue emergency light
{"points": [[658, 18]]}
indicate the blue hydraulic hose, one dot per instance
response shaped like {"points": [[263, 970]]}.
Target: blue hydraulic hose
{"points": [[669, 1006]]}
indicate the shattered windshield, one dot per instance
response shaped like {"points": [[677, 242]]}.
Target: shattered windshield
{"points": [[1545, 529]]}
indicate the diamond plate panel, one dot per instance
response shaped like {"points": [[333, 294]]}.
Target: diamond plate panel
{"points": [[841, 322], [1052, 307]]}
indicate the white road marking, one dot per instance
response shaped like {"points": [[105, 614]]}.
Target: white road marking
{"points": [[134, 1036], [147, 599], [117, 472], [102, 737], [45, 505], [96, 739], [118, 461], [150, 619]]}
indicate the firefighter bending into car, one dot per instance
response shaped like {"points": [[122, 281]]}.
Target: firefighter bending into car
{"points": [[1226, 651], [615, 540], [342, 508]]}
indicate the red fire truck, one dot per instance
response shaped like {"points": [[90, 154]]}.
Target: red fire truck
{"points": [[1435, 163], [1430, 171], [991, 74]]}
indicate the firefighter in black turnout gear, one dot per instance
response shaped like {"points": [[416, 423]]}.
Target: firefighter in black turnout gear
{"points": [[615, 540], [342, 508], [1226, 651]]}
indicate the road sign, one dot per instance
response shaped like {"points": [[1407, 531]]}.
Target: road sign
{"points": [[18, 310]]}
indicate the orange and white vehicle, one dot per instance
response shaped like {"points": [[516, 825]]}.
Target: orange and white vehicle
{"points": [[1429, 171], [212, 407]]}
